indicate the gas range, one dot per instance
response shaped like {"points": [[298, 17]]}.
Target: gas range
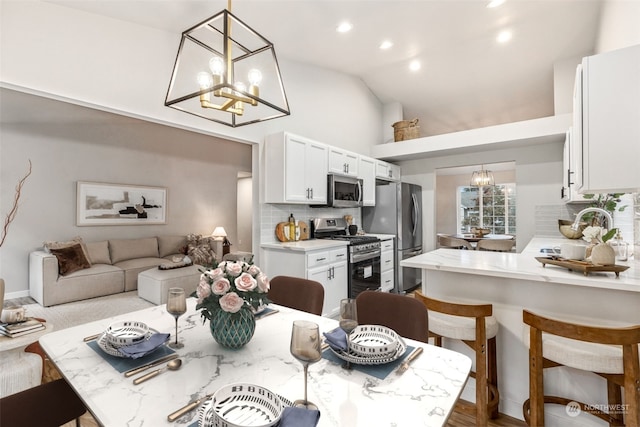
{"points": [[336, 229]]}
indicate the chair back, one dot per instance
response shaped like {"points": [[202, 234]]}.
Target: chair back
{"points": [[298, 293], [403, 314], [445, 241], [502, 245]]}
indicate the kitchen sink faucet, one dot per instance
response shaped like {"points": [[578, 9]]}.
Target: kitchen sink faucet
{"points": [[587, 210]]}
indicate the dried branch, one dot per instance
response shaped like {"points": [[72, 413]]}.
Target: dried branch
{"points": [[14, 209]]}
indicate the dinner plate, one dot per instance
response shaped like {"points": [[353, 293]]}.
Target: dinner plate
{"points": [[126, 333], [112, 349], [353, 357], [373, 341], [242, 405]]}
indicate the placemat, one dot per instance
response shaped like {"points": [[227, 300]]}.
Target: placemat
{"points": [[122, 364], [378, 371], [267, 311]]}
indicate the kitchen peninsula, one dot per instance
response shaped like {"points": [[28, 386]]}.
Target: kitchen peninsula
{"points": [[515, 281]]}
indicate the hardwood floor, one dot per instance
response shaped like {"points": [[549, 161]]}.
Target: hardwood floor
{"points": [[457, 419]]}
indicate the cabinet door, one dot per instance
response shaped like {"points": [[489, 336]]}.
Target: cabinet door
{"points": [[382, 170], [343, 162], [394, 172], [316, 172], [296, 188], [611, 121], [386, 261], [387, 280], [367, 171], [321, 275], [336, 290]]}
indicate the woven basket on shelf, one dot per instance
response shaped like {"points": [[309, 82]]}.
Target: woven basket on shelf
{"points": [[405, 129]]}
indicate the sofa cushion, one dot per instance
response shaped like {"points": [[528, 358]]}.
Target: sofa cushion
{"points": [[199, 249], [52, 244], [99, 252], [124, 249], [70, 259], [132, 267], [170, 245]]}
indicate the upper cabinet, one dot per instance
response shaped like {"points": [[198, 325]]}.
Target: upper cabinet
{"points": [[569, 191], [343, 162], [367, 171], [387, 171], [295, 170], [607, 122]]}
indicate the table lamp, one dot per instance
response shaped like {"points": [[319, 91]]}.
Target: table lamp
{"points": [[218, 235]]}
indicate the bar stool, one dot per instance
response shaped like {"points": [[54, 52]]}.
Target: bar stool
{"points": [[611, 353], [475, 326]]}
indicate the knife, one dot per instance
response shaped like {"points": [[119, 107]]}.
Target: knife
{"points": [[188, 407], [405, 365], [150, 365]]}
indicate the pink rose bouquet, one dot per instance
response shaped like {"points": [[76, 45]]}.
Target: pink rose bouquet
{"points": [[231, 286]]}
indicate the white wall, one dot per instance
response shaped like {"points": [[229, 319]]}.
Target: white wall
{"points": [[619, 25], [122, 67], [199, 171]]}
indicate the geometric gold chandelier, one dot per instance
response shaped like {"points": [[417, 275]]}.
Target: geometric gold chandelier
{"points": [[213, 61], [482, 178]]}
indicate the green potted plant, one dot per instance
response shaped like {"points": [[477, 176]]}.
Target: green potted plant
{"points": [[608, 202]]}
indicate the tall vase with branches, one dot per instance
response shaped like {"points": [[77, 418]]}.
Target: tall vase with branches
{"points": [[14, 207]]}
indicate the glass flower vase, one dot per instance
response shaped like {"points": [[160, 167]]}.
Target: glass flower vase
{"points": [[233, 330]]}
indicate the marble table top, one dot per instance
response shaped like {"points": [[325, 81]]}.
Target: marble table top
{"points": [[423, 396]]}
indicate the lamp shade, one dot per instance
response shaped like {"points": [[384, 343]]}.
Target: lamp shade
{"points": [[219, 233]]}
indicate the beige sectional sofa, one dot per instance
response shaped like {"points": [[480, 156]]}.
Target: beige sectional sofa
{"points": [[114, 267]]}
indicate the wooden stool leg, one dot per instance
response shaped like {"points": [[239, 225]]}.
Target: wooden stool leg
{"points": [[631, 385], [614, 397], [482, 390], [492, 378], [536, 384]]}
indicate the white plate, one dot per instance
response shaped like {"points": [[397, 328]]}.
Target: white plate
{"points": [[126, 333], [242, 405], [372, 360], [111, 349], [373, 341]]}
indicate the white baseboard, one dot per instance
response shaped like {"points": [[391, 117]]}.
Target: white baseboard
{"points": [[14, 295]]}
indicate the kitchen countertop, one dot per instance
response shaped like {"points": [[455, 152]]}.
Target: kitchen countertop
{"points": [[306, 245], [524, 266]]}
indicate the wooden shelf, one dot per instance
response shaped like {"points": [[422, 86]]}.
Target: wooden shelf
{"points": [[529, 132]]}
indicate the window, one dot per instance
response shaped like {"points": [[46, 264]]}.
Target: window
{"points": [[492, 207]]}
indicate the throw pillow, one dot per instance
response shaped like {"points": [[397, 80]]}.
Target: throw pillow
{"points": [[52, 244], [98, 252], [70, 259], [199, 250]]}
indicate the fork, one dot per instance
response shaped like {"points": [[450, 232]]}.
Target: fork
{"points": [[405, 365]]}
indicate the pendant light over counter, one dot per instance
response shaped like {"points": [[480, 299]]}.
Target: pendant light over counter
{"points": [[482, 178], [228, 73]]}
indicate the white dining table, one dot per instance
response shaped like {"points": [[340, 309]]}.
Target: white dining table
{"points": [[423, 396]]}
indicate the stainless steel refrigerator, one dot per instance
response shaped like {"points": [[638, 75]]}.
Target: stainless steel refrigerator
{"points": [[398, 211]]}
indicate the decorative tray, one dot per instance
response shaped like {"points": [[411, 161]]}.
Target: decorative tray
{"points": [[582, 266], [353, 357]]}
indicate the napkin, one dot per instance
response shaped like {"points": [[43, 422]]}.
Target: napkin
{"points": [[337, 339], [299, 417], [145, 347]]}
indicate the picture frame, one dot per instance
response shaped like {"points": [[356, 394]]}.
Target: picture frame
{"points": [[120, 204]]}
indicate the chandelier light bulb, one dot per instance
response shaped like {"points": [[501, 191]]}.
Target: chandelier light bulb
{"points": [[255, 77], [241, 86], [216, 64], [205, 80]]}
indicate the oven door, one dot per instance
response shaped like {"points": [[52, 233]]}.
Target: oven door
{"points": [[364, 273]]}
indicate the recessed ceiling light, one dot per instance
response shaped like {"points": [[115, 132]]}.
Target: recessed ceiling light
{"points": [[414, 65], [344, 27], [504, 36], [386, 45], [495, 3]]}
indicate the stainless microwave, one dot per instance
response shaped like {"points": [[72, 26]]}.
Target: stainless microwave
{"points": [[344, 191]]}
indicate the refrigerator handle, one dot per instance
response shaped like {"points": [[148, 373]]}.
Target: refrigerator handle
{"points": [[414, 200]]}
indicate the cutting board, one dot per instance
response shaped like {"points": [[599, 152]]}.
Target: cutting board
{"points": [[282, 231]]}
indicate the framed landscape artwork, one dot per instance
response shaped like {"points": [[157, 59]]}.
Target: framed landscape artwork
{"points": [[120, 204]]}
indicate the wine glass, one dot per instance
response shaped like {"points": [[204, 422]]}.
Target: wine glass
{"points": [[176, 306], [348, 320], [305, 346]]}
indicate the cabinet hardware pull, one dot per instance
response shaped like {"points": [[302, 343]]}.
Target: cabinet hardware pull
{"points": [[320, 259]]}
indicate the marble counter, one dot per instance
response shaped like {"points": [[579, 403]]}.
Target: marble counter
{"points": [[512, 282], [422, 396], [305, 245]]}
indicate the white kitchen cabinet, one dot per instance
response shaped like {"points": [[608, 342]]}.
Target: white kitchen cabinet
{"points": [[607, 115], [327, 266], [387, 171], [367, 172], [295, 170], [569, 192], [343, 162], [387, 271]]}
